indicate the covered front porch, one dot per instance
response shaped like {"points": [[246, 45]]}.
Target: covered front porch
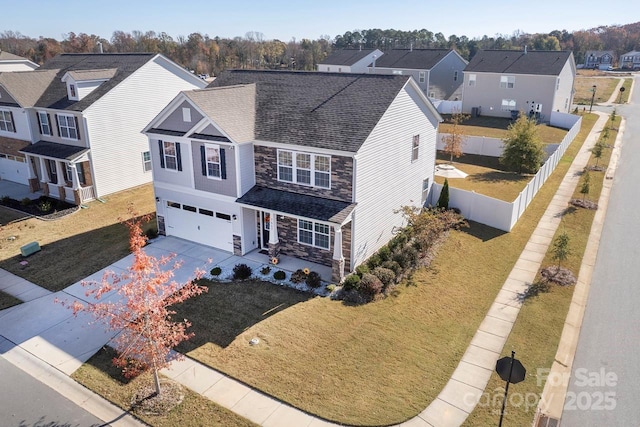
{"points": [[60, 171], [306, 229]]}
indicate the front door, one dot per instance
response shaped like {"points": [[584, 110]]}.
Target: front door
{"points": [[265, 221]]}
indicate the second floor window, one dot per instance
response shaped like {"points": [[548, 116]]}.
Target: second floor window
{"points": [[146, 161], [67, 127], [304, 168], [45, 124], [507, 82], [6, 121], [213, 162], [415, 151], [472, 80], [170, 155], [422, 76]]}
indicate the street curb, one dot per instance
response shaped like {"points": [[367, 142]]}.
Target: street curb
{"points": [[66, 386], [551, 402]]}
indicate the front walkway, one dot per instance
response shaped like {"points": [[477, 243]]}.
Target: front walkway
{"points": [[49, 332]]}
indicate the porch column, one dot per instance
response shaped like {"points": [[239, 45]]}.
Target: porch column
{"points": [[32, 173], [61, 183], [45, 177], [34, 183], [274, 242], [74, 176], [337, 265]]}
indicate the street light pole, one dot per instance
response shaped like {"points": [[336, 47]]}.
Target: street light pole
{"points": [[593, 95]]}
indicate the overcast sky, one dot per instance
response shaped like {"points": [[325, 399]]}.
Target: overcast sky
{"points": [[284, 20]]}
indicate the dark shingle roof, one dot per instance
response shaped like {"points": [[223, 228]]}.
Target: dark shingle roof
{"points": [[55, 96], [416, 59], [540, 62], [297, 204], [55, 150], [321, 110], [167, 132], [346, 57]]}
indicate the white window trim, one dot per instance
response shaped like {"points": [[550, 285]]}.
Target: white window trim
{"points": [[422, 76], [43, 116], [294, 167], [455, 75], [146, 162], [219, 163], [7, 120], [314, 234], [67, 127], [175, 156], [415, 148], [509, 105], [507, 82], [472, 80], [186, 115]]}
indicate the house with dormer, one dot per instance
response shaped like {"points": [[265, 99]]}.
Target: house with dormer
{"points": [[503, 83], [73, 126], [304, 164]]}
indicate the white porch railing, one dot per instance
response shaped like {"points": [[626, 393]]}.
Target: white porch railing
{"points": [[87, 194]]}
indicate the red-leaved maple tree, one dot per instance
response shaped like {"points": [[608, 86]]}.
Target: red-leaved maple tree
{"points": [[143, 311]]}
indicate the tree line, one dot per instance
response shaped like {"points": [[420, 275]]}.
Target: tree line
{"points": [[206, 55]]}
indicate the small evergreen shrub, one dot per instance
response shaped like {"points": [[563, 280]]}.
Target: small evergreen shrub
{"points": [[279, 275], [352, 281], [370, 286], [398, 242], [374, 261], [332, 287], [384, 253], [298, 276], [386, 276], [45, 206], [241, 272], [393, 266], [25, 202], [265, 270], [362, 269], [313, 280], [443, 200], [216, 271], [151, 233]]}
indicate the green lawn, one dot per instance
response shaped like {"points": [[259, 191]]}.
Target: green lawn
{"points": [[536, 333], [625, 94], [7, 300], [496, 127], [584, 89]]}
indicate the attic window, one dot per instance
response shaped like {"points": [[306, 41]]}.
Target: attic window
{"points": [[72, 90], [186, 115], [455, 76]]}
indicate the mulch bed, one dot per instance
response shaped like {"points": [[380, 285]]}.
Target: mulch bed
{"points": [[38, 207]]}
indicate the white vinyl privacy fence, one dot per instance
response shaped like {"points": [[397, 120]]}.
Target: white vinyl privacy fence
{"points": [[498, 213]]}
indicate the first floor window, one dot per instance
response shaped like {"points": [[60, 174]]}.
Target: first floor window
{"points": [[313, 234], [6, 121], [508, 105], [45, 126], [425, 190], [67, 127], [415, 148], [146, 161]]}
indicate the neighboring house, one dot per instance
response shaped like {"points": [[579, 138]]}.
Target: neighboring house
{"points": [[11, 62], [600, 59], [500, 83], [75, 122], [305, 164], [438, 72], [630, 60], [349, 61]]}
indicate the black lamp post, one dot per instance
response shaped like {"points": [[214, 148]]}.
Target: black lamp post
{"points": [[593, 95]]}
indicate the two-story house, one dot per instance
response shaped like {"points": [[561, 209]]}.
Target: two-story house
{"points": [[11, 62], [82, 115], [305, 164], [599, 59], [500, 83], [437, 71], [630, 60], [349, 61]]}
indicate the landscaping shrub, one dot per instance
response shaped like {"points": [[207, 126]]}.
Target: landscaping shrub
{"points": [[279, 275], [241, 272], [407, 257], [398, 242], [443, 200], [25, 202], [352, 281], [331, 287], [265, 270], [216, 271], [362, 269], [5, 199], [374, 261], [151, 233], [45, 206], [298, 276], [384, 253], [313, 280], [370, 286], [386, 276], [393, 266]]}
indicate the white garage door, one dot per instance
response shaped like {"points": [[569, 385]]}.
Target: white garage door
{"points": [[14, 169], [200, 225]]}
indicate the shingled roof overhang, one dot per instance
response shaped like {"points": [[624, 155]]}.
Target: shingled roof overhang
{"points": [[299, 205], [55, 150]]}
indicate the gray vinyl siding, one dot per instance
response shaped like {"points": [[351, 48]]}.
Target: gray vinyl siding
{"points": [[246, 166], [5, 98], [564, 94], [211, 130], [175, 122], [441, 81], [406, 72], [225, 186], [174, 177], [386, 178]]}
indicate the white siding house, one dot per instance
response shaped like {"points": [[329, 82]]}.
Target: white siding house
{"points": [[10, 63], [349, 61]]}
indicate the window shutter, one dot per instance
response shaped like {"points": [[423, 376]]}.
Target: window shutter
{"points": [[13, 124], [161, 148], [49, 121], [223, 164], [203, 160], [77, 128], [39, 122], [57, 125], [178, 156]]}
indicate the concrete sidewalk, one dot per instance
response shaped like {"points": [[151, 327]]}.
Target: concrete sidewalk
{"points": [[41, 336]]}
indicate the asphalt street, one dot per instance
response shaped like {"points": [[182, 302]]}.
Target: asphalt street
{"points": [[26, 402], [605, 378]]}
